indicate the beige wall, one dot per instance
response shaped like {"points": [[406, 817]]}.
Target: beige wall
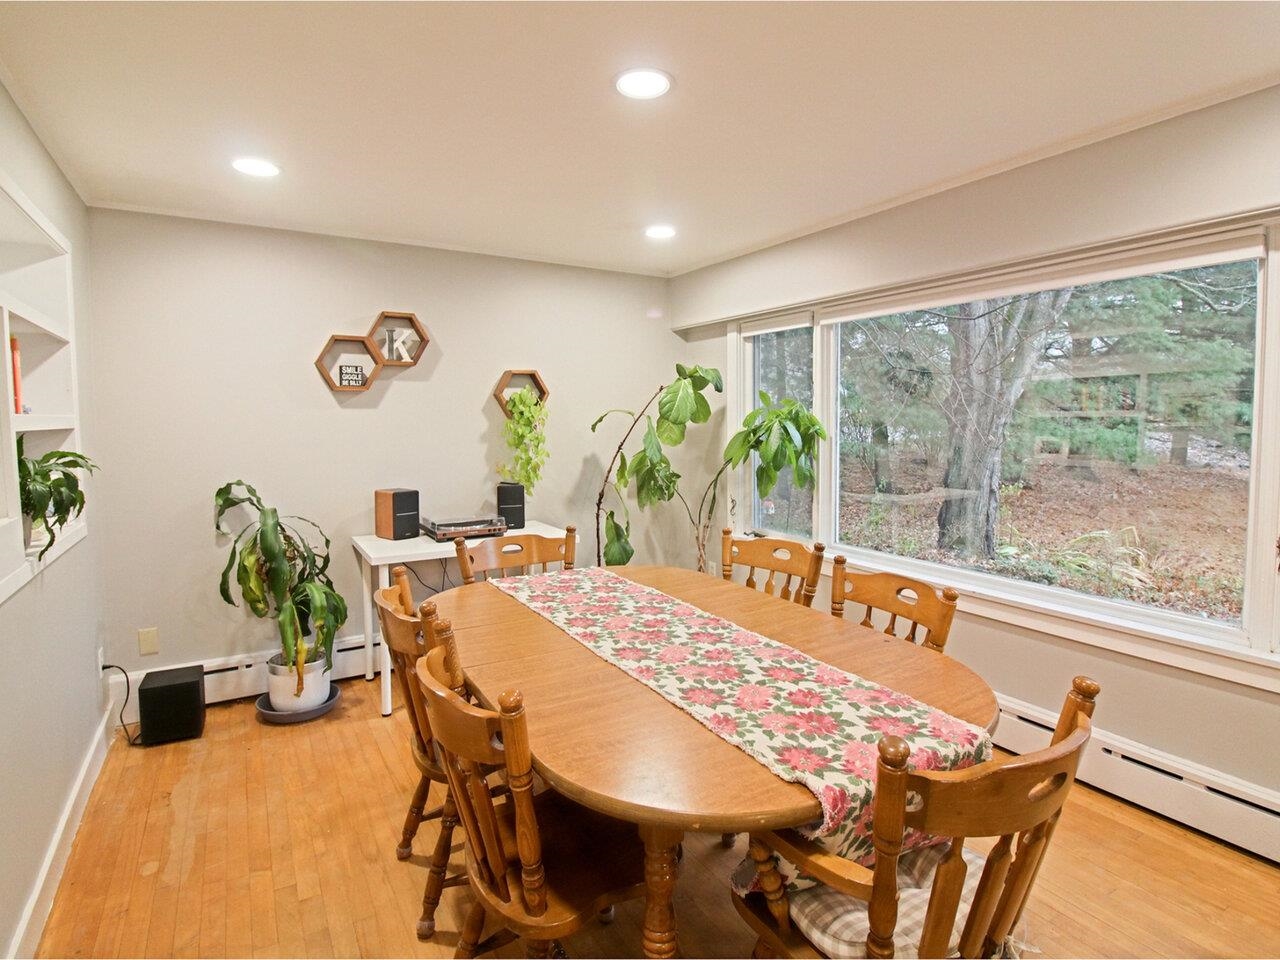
{"points": [[1201, 165], [203, 355], [1212, 163], [51, 697]]}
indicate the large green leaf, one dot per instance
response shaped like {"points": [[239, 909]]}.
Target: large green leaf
{"points": [[676, 402], [672, 434], [701, 409], [617, 545]]}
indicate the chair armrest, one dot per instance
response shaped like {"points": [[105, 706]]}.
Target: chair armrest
{"points": [[835, 871]]}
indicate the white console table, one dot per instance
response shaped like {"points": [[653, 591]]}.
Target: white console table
{"points": [[377, 556]]}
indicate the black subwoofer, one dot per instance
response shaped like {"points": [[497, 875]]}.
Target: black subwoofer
{"points": [[511, 504], [171, 705]]}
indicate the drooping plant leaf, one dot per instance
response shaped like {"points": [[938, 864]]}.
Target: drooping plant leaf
{"points": [[617, 544]]}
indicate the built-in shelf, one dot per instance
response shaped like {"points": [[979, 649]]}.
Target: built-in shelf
{"points": [[36, 317], [41, 422], [67, 538], [25, 320]]}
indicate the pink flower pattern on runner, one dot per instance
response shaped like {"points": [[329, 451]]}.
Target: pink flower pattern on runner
{"points": [[805, 720]]}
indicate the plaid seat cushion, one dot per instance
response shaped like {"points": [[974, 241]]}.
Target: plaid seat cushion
{"points": [[836, 923]]}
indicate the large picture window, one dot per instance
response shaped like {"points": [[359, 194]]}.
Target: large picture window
{"points": [[1091, 434], [1092, 437]]}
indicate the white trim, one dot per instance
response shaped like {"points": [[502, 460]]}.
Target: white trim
{"points": [[1129, 260], [1238, 811], [1150, 634], [237, 677], [26, 936]]}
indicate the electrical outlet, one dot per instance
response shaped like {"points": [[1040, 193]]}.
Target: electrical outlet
{"points": [[148, 640]]}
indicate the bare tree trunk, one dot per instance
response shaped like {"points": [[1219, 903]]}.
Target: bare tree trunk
{"points": [[994, 346]]}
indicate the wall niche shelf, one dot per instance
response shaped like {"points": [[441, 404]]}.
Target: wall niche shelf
{"points": [[35, 312], [341, 355], [504, 384], [43, 422], [383, 336]]}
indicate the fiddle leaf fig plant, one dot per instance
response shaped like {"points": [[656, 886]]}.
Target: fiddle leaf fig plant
{"points": [[282, 577], [527, 439], [783, 434], [49, 489], [681, 402]]}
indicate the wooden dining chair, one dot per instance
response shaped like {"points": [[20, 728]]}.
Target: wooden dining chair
{"points": [[540, 864], [408, 636], [518, 553], [784, 561], [915, 898], [917, 611]]}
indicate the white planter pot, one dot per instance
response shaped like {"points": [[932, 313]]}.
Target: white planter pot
{"points": [[282, 684], [34, 534]]}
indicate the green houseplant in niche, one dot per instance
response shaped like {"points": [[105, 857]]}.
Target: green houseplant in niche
{"points": [[285, 578], [49, 493], [526, 436]]}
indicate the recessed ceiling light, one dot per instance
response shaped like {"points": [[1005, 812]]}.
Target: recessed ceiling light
{"points": [[643, 84], [255, 166], [660, 231]]}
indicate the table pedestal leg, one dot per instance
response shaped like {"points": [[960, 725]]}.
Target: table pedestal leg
{"points": [[660, 846]]}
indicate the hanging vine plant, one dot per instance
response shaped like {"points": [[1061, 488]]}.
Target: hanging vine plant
{"points": [[526, 435]]}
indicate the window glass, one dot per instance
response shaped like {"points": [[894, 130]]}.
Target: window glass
{"points": [[783, 367], [1094, 437]]}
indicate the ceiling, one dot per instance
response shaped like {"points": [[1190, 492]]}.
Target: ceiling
{"points": [[495, 127]]}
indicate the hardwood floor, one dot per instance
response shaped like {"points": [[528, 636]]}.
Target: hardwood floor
{"points": [[280, 841]]}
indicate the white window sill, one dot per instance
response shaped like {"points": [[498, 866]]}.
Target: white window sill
{"points": [[1209, 648], [31, 567]]}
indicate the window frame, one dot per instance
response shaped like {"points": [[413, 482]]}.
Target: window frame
{"points": [[1248, 652]]}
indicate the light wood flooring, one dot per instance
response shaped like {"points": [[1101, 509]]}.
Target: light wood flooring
{"points": [[279, 841]]}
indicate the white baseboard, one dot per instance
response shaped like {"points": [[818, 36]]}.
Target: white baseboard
{"points": [[233, 678], [26, 937], [1235, 810]]}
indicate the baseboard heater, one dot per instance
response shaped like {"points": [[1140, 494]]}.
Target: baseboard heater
{"points": [[1237, 811], [234, 678]]}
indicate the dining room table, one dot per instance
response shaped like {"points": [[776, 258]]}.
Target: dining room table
{"points": [[609, 742]]}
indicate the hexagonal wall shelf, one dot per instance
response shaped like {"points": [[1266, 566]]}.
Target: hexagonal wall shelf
{"points": [[352, 377], [504, 383], [399, 338]]}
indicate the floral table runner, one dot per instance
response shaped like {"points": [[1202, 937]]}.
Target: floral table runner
{"points": [[805, 720]]}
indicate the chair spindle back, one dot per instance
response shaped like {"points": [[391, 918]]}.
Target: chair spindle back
{"points": [[470, 739], [517, 553], [792, 570], [917, 611], [1018, 801]]}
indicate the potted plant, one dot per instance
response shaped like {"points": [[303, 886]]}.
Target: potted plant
{"points": [[526, 436], [49, 493], [782, 434], [680, 403], [284, 577]]}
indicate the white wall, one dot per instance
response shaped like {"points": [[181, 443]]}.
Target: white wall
{"points": [[1215, 162], [203, 346], [1210, 163], [51, 697]]}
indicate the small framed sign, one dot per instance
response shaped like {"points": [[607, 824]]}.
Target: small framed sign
{"points": [[351, 375]]}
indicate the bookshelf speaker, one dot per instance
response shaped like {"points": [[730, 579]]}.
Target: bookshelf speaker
{"points": [[395, 513]]}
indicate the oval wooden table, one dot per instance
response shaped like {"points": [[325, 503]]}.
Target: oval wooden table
{"points": [[612, 744]]}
